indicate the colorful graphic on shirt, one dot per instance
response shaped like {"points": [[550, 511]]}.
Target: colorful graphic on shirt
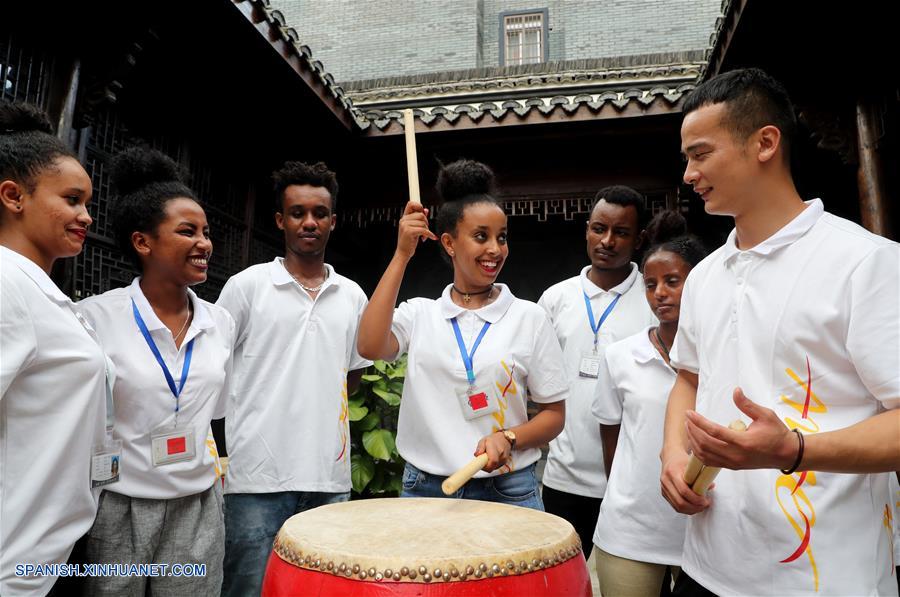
{"points": [[888, 521], [214, 452], [802, 515], [342, 419], [506, 388]]}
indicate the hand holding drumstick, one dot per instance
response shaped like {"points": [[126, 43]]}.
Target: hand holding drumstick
{"points": [[493, 452]]}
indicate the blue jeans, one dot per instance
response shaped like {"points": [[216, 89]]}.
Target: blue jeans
{"points": [[519, 488], [251, 522]]}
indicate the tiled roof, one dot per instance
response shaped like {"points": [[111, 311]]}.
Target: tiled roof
{"points": [[577, 89], [551, 91], [720, 38], [272, 25]]}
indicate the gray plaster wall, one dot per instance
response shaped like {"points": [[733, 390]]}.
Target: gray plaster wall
{"points": [[367, 39]]}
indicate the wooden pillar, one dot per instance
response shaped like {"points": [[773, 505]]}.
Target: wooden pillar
{"points": [[874, 206], [64, 129], [249, 217]]}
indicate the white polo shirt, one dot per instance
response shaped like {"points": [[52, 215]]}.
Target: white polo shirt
{"points": [[287, 427], [144, 401], [635, 521], [575, 461], [52, 412], [518, 355], [807, 323]]}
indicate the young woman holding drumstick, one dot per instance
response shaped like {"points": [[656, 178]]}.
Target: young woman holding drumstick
{"points": [[638, 536], [472, 352]]}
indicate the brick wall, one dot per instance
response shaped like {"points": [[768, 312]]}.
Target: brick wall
{"points": [[366, 39]]}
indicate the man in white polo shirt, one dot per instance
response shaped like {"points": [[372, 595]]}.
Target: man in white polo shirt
{"points": [[287, 429], [601, 305], [791, 326]]}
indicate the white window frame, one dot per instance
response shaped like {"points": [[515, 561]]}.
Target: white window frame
{"points": [[512, 20]]}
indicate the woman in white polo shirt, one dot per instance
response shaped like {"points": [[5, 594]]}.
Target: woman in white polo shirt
{"points": [[172, 353], [52, 370], [638, 535], [476, 354]]}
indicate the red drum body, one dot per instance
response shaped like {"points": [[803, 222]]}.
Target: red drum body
{"points": [[430, 547]]}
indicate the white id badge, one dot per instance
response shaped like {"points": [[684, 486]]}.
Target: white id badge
{"points": [[171, 444], [105, 461], [477, 402], [590, 365]]}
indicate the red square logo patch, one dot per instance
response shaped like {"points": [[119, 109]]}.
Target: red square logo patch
{"points": [[478, 401], [176, 445]]}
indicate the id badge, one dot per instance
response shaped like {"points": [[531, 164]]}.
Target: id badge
{"points": [[477, 402], [171, 444], [590, 365], [106, 459]]}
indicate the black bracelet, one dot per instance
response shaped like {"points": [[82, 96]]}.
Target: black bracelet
{"points": [[797, 462]]}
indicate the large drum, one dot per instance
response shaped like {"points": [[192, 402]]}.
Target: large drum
{"points": [[424, 546]]}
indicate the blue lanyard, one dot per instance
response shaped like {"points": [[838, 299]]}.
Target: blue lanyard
{"points": [[162, 364], [595, 327], [467, 356]]}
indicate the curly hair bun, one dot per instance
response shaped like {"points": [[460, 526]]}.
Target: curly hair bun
{"points": [[138, 167], [22, 118], [665, 226], [464, 178]]}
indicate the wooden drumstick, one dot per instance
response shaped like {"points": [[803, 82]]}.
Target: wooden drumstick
{"points": [[412, 162], [452, 483], [699, 476]]}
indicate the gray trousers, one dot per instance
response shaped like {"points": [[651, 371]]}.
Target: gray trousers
{"points": [[187, 530]]}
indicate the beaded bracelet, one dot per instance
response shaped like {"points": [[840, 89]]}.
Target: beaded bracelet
{"points": [[797, 462]]}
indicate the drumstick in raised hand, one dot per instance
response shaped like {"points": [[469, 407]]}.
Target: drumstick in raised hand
{"points": [[412, 162], [699, 476], [452, 483]]}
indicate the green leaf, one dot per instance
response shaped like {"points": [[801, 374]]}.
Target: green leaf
{"points": [[362, 469], [389, 397], [371, 377], [380, 365], [379, 443], [357, 410], [369, 422], [396, 387]]}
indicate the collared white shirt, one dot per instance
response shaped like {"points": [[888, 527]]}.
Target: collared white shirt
{"points": [[52, 412], [575, 461], [807, 323], [635, 521], [519, 355], [287, 427], [143, 399]]}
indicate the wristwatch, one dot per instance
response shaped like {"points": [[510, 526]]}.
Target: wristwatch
{"points": [[510, 437]]}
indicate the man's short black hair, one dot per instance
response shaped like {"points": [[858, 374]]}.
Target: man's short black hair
{"points": [[752, 100], [300, 173], [624, 196]]}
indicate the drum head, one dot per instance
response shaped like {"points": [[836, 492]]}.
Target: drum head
{"points": [[424, 539]]}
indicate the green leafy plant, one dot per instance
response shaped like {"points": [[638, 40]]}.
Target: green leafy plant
{"points": [[376, 468]]}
